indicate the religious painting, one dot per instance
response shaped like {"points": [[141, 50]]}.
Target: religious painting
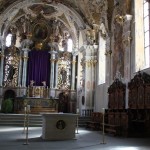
{"points": [[47, 10], [118, 53], [40, 32]]}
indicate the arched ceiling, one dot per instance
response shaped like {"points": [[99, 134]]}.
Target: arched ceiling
{"points": [[89, 10], [74, 14]]}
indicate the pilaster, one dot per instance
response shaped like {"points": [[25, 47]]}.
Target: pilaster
{"points": [[52, 60], [89, 74], [25, 60], [1, 68]]}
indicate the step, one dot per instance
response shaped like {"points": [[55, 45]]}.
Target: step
{"points": [[34, 120]]}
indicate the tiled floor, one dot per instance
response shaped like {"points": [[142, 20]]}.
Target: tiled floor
{"points": [[13, 138]]}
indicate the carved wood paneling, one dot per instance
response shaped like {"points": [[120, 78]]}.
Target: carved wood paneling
{"points": [[116, 93], [147, 96]]}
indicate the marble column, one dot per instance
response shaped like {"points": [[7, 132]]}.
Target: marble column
{"points": [[108, 55], [127, 46], [1, 68], [20, 71], [89, 59], [73, 73], [56, 74], [126, 36], [25, 60], [53, 59]]}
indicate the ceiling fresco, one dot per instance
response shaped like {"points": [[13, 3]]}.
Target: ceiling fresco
{"points": [[90, 11], [74, 14]]}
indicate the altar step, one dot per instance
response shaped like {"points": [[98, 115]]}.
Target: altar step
{"points": [[18, 120], [34, 120]]}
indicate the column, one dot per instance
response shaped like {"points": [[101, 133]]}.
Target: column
{"points": [[127, 51], [73, 73], [127, 47], [89, 60], [56, 74], [108, 55], [20, 71], [1, 68], [53, 59], [94, 73], [25, 60]]}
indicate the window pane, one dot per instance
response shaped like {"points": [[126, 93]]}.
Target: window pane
{"points": [[8, 40], [146, 23], [147, 39], [147, 57], [70, 45], [146, 9]]}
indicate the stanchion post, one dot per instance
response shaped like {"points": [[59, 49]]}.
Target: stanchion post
{"points": [[25, 119], [27, 125], [77, 126], [103, 134]]}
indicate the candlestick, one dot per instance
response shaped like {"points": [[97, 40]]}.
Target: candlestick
{"points": [[28, 108], [25, 109], [103, 139]]}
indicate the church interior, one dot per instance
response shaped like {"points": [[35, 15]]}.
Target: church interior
{"points": [[84, 57]]}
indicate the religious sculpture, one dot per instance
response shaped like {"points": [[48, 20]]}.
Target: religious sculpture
{"points": [[11, 72], [44, 83], [31, 83], [63, 73]]}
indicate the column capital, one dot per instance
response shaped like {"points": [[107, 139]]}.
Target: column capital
{"points": [[53, 52], [74, 62], [26, 49], [25, 57], [1, 55], [128, 17], [52, 60]]}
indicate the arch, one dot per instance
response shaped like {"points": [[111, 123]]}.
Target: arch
{"points": [[11, 12], [9, 94]]}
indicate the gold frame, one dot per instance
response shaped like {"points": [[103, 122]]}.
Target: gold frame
{"points": [[40, 32]]}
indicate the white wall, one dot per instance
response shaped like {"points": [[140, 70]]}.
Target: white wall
{"points": [[101, 98]]}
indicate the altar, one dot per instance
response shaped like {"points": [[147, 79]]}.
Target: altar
{"points": [[59, 126], [37, 105]]}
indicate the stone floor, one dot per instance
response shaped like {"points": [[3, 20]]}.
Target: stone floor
{"points": [[13, 138]]}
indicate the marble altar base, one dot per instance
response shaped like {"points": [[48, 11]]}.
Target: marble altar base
{"points": [[59, 126]]}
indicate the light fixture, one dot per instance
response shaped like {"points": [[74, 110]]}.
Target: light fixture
{"points": [[119, 19]]}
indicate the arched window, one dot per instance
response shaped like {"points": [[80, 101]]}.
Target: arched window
{"points": [[69, 42], [142, 26], [101, 60], [146, 15], [8, 39]]}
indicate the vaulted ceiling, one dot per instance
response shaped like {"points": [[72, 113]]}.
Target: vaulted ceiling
{"points": [[75, 15], [89, 10]]}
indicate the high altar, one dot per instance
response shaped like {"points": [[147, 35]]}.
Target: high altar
{"points": [[41, 74], [40, 102]]}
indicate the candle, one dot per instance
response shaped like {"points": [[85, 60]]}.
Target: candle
{"points": [[28, 108], [25, 109], [103, 110]]}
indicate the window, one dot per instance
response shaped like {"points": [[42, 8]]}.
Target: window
{"points": [[146, 15], [8, 39], [139, 36], [101, 60], [69, 42]]}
